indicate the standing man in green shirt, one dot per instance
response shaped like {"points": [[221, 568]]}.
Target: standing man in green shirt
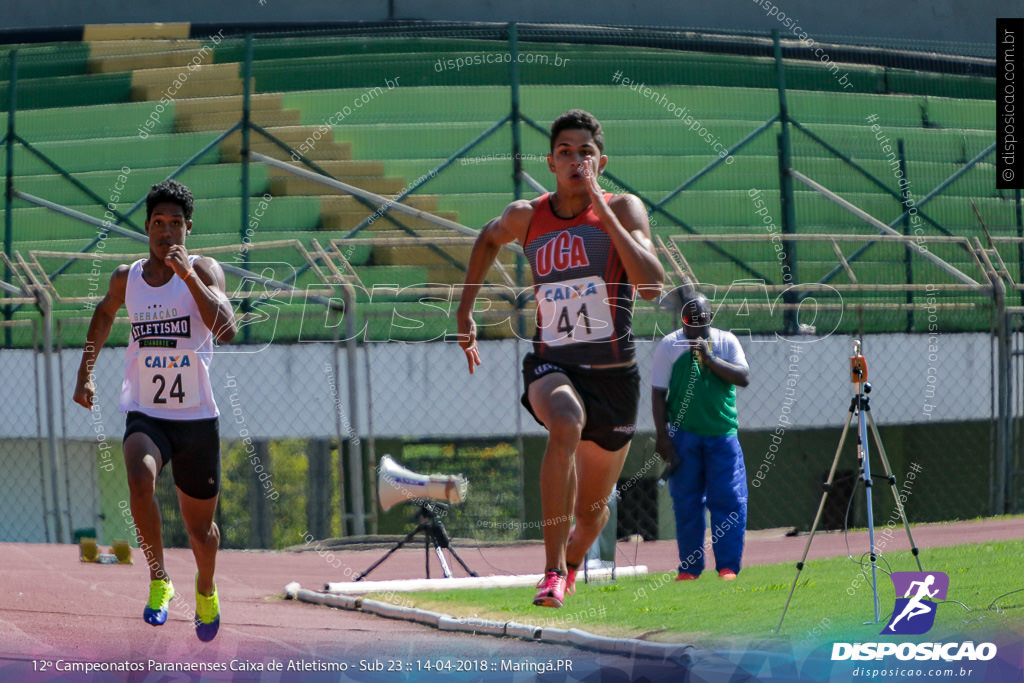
{"points": [[695, 374]]}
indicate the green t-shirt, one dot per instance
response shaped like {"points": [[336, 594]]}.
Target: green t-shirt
{"points": [[698, 400]]}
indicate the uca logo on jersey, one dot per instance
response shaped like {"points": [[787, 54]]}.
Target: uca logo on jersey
{"points": [[561, 253], [917, 596], [168, 361]]}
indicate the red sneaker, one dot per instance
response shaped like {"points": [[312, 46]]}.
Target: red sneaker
{"points": [[552, 590], [686, 576], [727, 575]]}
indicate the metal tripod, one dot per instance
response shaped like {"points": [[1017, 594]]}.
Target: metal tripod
{"points": [[436, 537], [861, 407]]}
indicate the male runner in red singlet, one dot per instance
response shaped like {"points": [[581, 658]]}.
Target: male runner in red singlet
{"points": [[177, 308], [588, 251]]}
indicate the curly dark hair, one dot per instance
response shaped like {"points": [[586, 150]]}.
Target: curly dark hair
{"points": [[578, 119], [170, 191]]}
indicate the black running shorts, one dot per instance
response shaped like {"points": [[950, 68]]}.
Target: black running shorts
{"points": [[611, 398], [191, 446]]}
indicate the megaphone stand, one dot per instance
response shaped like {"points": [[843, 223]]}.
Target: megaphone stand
{"points": [[436, 536]]}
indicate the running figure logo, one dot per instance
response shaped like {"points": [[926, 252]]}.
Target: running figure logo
{"points": [[914, 612]]}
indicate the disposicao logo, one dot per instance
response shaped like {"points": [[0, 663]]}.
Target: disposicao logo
{"points": [[914, 612], [917, 596]]}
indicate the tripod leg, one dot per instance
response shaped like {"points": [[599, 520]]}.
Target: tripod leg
{"points": [[865, 463], [438, 536], [445, 569], [895, 493], [426, 552], [388, 554], [459, 560], [817, 517]]}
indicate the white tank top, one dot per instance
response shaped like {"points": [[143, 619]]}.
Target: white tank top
{"points": [[166, 370]]}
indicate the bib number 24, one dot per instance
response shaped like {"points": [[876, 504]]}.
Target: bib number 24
{"points": [[169, 382], [176, 392]]}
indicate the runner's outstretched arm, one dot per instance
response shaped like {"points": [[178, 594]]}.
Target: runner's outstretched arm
{"points": [[510, 226]]}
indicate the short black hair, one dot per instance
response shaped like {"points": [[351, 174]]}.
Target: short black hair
{"points": [[577, 119], [170, 191]]}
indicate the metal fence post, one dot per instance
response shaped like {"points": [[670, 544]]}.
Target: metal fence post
{"points": [[517, 146], [908, 265], [1004, 418], [521, 447], [261, 523], [12, 107], [371, 440], [46, 307], [341, 436], [786, 187], [1020, 246], [513, 73], [246, 127], [355, 452]]}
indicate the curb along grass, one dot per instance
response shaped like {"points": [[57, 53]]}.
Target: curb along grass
{"points": [[749, 606]]}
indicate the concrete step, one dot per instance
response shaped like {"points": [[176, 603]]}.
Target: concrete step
{"points": [[222, 120], [231, 152], [425, 256], [344, 167], [190, 88], [178, 58], [379, 230], [293, 185], [341, 203], [348, 220], [205, 73], [453, 275], [230, 103], [294, 135], [150, 31], [117, 48], [207, 81]]}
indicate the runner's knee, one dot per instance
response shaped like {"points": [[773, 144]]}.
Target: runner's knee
{"points": [[564, 421], [565, 424], [202, 531], [592, 513], [141, 479]]}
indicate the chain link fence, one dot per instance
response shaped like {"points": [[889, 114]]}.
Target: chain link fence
{"points": [[301, 444]]}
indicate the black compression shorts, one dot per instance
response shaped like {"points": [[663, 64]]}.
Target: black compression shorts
{"points": [[191, 446], [611, 398]]}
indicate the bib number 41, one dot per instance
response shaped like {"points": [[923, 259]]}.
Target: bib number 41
{"points": [[574, 311]]}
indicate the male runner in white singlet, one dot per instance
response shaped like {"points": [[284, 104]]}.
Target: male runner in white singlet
{"points": [[177, 306]]}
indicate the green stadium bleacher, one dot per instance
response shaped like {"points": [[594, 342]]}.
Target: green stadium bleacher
{"points": [[75, 106]]}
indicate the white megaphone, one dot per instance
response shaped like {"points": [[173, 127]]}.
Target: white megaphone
{"points": [[395, 484]]}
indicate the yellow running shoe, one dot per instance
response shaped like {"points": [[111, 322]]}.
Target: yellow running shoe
{"points": [[160, 594], [207, 614]]}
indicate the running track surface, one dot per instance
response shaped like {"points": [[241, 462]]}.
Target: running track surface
{"points": [[52, 606]]}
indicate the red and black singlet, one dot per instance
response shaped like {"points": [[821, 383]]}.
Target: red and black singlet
{"points": [[584, 297]]}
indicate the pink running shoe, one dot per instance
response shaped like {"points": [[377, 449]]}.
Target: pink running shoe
{"points": [[552, 590], [570, 581]]}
